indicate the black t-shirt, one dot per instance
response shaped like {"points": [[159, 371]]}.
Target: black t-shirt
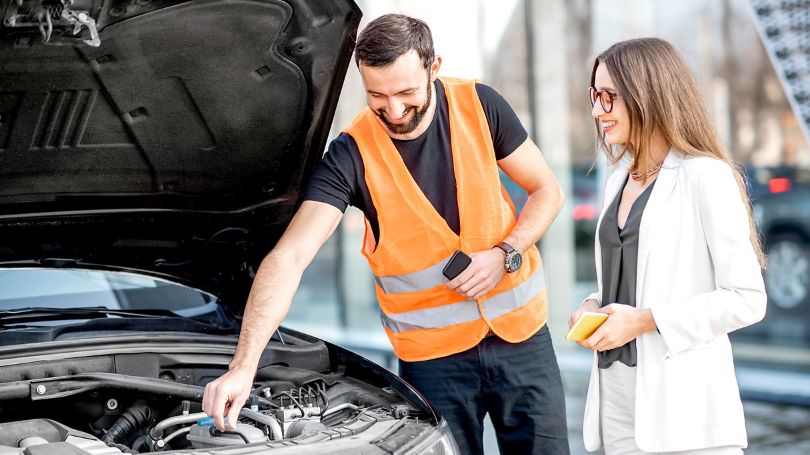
{"points": [[339, 179]]}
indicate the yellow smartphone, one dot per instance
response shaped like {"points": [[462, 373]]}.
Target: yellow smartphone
{"points": [[587, 323]]}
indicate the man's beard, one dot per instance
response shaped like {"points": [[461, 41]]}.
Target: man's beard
{"points": [[411, 124]]}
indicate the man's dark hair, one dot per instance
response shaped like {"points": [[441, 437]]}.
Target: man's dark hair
{"points": [[386, 38]]}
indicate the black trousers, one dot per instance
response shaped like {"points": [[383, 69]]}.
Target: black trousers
{"points": [[518, 384]]}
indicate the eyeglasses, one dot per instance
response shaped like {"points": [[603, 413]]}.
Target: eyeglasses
{"points": [[605, 98]]}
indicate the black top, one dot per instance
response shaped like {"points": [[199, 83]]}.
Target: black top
{"points": [[339, 179], [619, 265]]}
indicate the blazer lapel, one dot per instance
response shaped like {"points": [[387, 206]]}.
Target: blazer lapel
{"points": [[648, 231]]}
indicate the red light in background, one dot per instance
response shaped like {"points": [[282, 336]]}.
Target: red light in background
{"points": [[584, 212], [779, 185]]}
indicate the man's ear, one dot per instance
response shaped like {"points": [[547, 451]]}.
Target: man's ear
{"points": [[434, 67]]}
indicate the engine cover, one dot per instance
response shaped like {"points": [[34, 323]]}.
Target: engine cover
{"points": [[47, 437], [207, 436]]}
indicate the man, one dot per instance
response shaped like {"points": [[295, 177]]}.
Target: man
{"points": [[422, 163]]}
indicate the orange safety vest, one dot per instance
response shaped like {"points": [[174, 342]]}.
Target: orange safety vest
{"points": [[422, 319]]}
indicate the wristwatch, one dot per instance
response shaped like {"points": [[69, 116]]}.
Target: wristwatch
{"points": [[513, 259]]}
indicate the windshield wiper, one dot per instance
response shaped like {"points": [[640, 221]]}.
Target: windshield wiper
{"points": [[20, 315]]}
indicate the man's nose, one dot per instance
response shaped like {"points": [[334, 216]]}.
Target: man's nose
{"points": [[394, 107]]}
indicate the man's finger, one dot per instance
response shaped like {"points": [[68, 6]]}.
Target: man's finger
{"points": [[462, 278], [479, 290], [466, 285], [233, 414], [469, 287], [218, 407], [206, 398]]}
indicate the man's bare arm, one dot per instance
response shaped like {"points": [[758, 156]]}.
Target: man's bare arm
{"points": [[270, 296], [278, 278], [527, 167]]}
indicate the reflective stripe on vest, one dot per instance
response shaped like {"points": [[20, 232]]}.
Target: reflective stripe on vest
{"points": [[466, 311], [412, 282]]}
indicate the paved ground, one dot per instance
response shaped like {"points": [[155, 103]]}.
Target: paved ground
{"points": [[777, 429], [773, 429]]}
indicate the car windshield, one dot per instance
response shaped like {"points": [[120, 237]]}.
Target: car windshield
{"points": [[72, 288]]}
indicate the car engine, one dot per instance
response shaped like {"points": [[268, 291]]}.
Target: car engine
{"points": [[140, 402]]}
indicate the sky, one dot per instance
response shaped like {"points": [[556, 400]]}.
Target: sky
{"points": [[456, 26]]}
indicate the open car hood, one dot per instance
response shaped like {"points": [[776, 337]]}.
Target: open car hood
{"points": [[164, 137]]}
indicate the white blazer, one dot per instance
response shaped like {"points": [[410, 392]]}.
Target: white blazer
{"points": [[698, 273]]}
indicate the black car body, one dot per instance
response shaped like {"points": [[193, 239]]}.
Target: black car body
{"points": [[153, 151]]}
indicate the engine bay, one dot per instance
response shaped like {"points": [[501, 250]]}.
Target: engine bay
{"points": [[133, 399]]}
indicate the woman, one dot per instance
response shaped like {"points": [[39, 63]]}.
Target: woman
{"points": [[678, 264]]}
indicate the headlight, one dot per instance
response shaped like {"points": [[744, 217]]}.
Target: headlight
{"points": [[439, 442]]}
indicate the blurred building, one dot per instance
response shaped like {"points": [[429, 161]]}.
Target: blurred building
{"points": [[539, 55]]}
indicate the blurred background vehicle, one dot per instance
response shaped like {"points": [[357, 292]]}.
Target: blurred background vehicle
{"points": [[780, 197]]}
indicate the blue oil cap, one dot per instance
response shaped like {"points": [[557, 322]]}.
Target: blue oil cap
{"points": [[208, 421]]}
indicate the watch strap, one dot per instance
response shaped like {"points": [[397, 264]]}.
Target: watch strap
{"points": [[507, 248]]}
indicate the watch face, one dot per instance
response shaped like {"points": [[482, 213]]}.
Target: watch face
{"points": [[514, 261]]}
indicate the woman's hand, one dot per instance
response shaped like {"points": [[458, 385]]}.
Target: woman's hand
{"points": [[625, 324], [589, 305]]}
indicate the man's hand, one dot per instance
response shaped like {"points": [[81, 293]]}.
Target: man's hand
{"points": [[626, 323], [225, 396], [482, 275]]}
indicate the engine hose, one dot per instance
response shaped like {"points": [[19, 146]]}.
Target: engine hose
{"points": [[137, 416], [157, 432], [270, 421]]}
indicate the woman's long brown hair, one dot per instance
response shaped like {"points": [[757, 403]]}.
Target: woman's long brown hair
{"points": [[661, 94]]}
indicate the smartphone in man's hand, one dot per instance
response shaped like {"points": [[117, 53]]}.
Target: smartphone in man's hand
{"points": [[457, 263]]}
